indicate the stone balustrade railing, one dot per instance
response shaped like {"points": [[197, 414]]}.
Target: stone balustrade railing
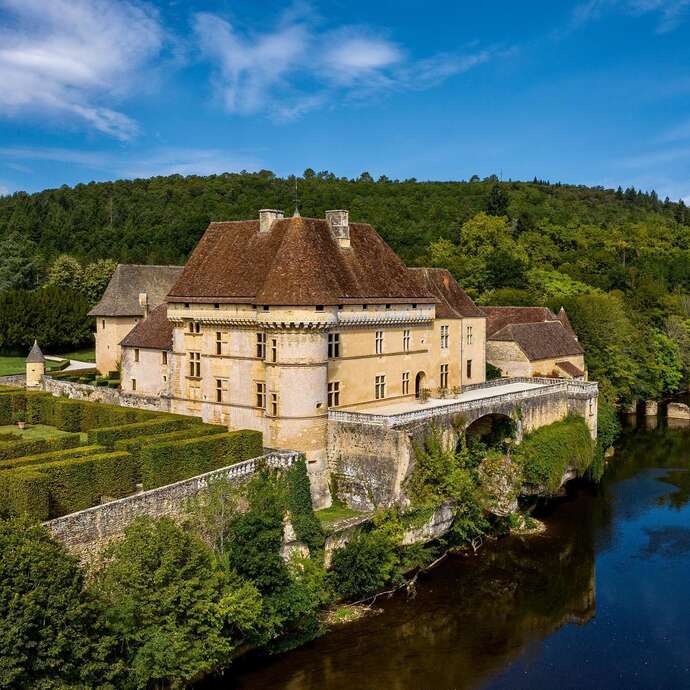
{"points": [[548, 387]]}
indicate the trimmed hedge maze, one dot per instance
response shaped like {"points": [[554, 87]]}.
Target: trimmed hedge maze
{"points": [[106, 452]]}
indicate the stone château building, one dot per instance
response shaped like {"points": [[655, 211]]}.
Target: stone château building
{"points": [[272, 322]]}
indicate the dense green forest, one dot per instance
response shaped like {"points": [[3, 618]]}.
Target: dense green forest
{"points": [[618, 260]]}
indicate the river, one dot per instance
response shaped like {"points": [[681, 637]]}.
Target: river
{"points": [[602, 600]]}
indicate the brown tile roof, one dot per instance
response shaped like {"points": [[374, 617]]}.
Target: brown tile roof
{"points": [[453, 301], [570, 369], [153, 333], [121, 297], [296, 262], [499, 317], [563, 318], [545, 340]]}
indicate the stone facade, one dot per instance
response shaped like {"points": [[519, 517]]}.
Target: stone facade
{"points": [[513, 362], [110, 330]]}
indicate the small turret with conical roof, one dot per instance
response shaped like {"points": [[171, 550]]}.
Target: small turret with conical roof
{"points": [[35, 367]]}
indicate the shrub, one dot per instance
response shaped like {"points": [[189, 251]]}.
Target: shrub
{"points": [[165, 463], [307, 526], [548, 452], [367, 563], [608, 429], [52, 456], [4, 438], [107, 436], [80, 415], [17, 449], [11, 402]]}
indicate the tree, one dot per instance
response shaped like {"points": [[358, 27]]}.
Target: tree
{"points": [[20, 263], [497, 203], [66, 272], [97, 275], [51, 629], [177, 614]]}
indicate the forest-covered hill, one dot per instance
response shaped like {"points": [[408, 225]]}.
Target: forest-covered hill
{"points": [[619, 260]]}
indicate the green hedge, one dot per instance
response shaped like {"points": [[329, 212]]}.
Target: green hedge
{"points": [[135, 445], [39, 408], [307, 526], [546, 453], [11, 402], [52, 456], [18, 449], [5, 438], [165, 463], [25, 493], [81, 415], [107, 436]]}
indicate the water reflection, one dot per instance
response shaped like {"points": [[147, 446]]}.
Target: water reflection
{"points": [[600, 601]]}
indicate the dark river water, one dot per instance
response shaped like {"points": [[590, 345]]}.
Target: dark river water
{"points": [[601, 601]]}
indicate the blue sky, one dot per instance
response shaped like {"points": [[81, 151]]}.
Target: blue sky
{"points": [[590, 92]]}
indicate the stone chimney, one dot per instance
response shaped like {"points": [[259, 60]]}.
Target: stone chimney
{"points": [[340, 226], [267, 216], [144, 303]]}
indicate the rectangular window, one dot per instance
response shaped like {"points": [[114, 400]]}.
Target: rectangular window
{"points": [[379, 342], [469, 368], [380, 387], [406, 340], [444, 337], [333, 345], [102, 323], [319, 307], [274, 404], [136, 354], [134, 384], [334, 394], [444, 376], [191, 326], [261, 346], [469, 335], [406, 383], [219, 390], [274, 350], [261, 394], [195, 365], [164, 357], [219, 343]]}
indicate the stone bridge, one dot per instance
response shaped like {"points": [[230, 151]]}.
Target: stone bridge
{"points": [[371, 452]]}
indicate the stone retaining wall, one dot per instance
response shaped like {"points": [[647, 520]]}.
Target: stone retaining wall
{"points": [[103, 394], [86, 533]]}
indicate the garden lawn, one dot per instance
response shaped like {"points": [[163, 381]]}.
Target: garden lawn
{"points": [[32, 432], [17, 365], [80, 355], [335, 513]]}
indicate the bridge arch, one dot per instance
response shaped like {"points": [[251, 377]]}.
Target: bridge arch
{"points": [[492, 429]]}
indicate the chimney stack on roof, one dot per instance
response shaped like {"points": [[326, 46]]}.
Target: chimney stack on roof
{"points": [[144, 303], [339, 222], [267, 216]]}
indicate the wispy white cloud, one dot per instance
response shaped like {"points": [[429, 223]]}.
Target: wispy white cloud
{"points": [[159, 161], [300, 66], [66, 58], [670, 14]]}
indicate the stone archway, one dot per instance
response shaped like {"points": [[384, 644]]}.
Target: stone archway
{"points": [[492, 429], [419, 383]]}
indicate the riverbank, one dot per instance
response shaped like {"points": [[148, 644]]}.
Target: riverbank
{"points": [[509, 616]]}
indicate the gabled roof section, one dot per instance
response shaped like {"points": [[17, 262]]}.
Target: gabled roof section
{"points": [[544, 340], [297, 262], [154, 332], [563, 318], [499, 317], [452, 301], [35, 355], [121, 297]]}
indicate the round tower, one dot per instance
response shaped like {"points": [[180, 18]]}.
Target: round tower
{"points": [[35, 367]]}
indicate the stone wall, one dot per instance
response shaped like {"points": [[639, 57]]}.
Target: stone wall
{"points": [[110, 396], [86, 533]]}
